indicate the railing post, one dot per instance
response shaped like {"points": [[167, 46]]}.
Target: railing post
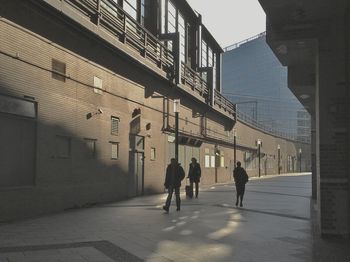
{"points": [[185, 73], [145, 45], [124, 28], [161, 57], [98, 12]]}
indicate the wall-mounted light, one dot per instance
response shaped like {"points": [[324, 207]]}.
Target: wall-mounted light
{"points": [[176, 111], [98, 112], [176, 105], [259, 156], [304, 96]]}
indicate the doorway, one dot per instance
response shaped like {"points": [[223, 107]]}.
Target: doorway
{"points": [[139, 172], [136, 162]]}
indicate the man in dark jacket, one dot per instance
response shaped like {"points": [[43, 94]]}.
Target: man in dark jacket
{"points": [[174, 175], [241, 178], [194, 174]]}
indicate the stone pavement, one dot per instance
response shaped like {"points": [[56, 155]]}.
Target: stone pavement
{"points": [[273, 225]]}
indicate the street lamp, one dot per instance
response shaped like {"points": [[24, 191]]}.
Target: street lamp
{"points": [[176, 111], [279, 158], [234, 148], [259, 145], [300, 160]]}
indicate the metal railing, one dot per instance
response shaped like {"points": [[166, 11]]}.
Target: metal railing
{"points": [[109, 16], [251, 121], [236, 45], [194, 80], [224, 103]]}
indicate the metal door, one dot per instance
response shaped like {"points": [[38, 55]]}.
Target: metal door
{"points": [[139, 172]]}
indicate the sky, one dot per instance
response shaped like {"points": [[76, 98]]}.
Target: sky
{"points": [[231, 21]]}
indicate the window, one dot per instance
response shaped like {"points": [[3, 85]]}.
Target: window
{"points": [[63, 147], [222, 159], [98, 85], [171, 22], [207, 158], [115, 125], [210, 57], [204, 54], [114, 150], [171, 18], [153, 153], [182, 32], [190, 44], [90, 145], [214, 71], [204, 62], [142, 12], [130, 6], [58, 70], [212, 159], [249, 161], [163, 29]]}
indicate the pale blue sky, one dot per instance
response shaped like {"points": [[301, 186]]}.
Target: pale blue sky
{"points": [[231, 21]]}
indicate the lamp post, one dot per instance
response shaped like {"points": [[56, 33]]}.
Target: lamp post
{"points": [[259, 145], [217, 159], [279, 158], [300, 160], [234, 148], [176, 111]]}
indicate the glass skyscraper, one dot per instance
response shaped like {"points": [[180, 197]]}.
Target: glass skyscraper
{"points": [[255, 80]]}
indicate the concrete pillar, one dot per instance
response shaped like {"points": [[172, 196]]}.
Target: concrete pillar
{"points": [[332, 129], [313, 158]]}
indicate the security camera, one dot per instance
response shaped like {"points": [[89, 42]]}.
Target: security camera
{"points": [[100, 111]]}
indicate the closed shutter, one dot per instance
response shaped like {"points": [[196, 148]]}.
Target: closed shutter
{"points": [[17, 151]]}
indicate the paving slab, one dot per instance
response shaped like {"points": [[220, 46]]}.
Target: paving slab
{"points": [[275, 224]]}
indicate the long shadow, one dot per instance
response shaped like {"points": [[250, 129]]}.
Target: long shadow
{"points": [[79, 179], [254, 191], [264, 212]]}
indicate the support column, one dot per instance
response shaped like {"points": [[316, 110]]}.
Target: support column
{"points": [[332, 127], [313, 158]]}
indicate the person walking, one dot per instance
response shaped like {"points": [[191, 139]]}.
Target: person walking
{"points": [[194, 174], [241, 178], [174, 175]]}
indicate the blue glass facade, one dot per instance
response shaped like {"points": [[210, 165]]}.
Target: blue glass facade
{"points": [[255, 80]]}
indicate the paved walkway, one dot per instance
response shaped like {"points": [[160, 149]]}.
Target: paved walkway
{"points": [[273, 225]]}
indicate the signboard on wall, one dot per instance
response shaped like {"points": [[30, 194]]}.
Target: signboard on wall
{"points": [[15, 106]]}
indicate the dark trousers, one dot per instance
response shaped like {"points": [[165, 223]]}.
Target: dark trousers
{"points": [[171, 189], [240, 192], [197, 186]]}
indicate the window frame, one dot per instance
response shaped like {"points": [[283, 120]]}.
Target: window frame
{"points": [[153, 156], [90, 155], [69, 140], [117, 119], [55, 69], [113, 143]]}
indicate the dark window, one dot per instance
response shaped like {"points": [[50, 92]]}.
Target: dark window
{"points": [[90, 145], [115, 125], [63, 147], [58, 70]]}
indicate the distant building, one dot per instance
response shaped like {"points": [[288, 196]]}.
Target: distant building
{"points": [[255, 80]]}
